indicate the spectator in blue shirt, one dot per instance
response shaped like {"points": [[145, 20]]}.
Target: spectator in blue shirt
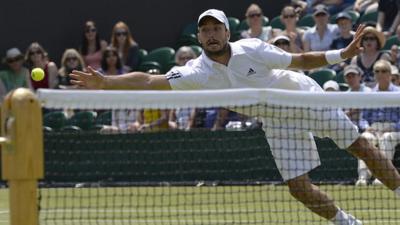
{"points": [[379, 121]]}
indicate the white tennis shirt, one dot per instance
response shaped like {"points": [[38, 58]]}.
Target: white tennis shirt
{"points": [[253, 64]]}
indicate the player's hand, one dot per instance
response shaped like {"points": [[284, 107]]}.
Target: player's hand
{"points": [[90, 80], [354, 48]]}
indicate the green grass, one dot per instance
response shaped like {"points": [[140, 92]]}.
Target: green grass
{"points": [[266, 204]]}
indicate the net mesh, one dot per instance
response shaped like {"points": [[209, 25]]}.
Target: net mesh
{"points": [[210, 157]]}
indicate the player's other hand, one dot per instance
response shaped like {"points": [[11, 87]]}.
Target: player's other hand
{"points": [[89, 80], [354, 48]]}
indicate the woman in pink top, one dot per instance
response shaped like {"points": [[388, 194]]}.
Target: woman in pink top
{"points": [[92, 47], [37, 57]]}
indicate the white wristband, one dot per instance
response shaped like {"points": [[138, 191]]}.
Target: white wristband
{"points": [[333, 56]]}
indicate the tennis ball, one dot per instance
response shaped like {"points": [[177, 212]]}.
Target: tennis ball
{"points": [[37, 74]]}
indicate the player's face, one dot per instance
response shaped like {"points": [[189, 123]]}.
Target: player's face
{"points": [[213, 37]]}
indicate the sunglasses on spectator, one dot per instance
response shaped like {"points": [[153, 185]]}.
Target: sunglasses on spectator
{"points": [[321, 14], [124, 33], [185, 58], [381, 71], [14, 60], [91, 30], [369, 38], [111, 55], [289, 16], [254, 15], [35, 52], [69, 59]]}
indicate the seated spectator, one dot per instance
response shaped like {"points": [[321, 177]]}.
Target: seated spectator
{"points": [[379, 121], [372, 41], [37, 57], [394, 49], [122, 120], [321, 36], [182, 118], [283, 42], [289, 18], [16, 75], [127, 48], [183, 55], [254, 17], [346, 35], [71, 60], [111, 63], [152, 120], [331, 85], [388, 16], [92, 46], [365, 6], [333, 6], [395, 76], [352, 76]]}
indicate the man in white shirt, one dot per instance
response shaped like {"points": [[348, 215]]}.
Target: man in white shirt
{"points": [[256, 64]]}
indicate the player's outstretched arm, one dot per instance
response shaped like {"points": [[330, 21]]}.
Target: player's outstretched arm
{"points": [[312, 60], [135, 80]]}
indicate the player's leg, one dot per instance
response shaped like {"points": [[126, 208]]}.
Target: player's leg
{"points": [[363, 172], [380, 166], [318, 201]]}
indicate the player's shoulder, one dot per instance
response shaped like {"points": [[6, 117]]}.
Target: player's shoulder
{"points": [[249, 42]]}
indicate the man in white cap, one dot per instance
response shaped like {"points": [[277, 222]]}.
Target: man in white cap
{"points": [[251, 63], [16, 75]]}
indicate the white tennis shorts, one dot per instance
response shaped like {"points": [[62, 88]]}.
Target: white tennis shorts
{"points": [[290, 131]]}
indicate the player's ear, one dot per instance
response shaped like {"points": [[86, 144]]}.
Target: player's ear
{"points": [[228, 34], [198, 37]]}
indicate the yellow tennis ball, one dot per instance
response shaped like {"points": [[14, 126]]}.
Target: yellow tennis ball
{"points": [[37, 74]]}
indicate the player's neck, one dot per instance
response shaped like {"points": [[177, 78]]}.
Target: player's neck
{"points": [[222, 57]]}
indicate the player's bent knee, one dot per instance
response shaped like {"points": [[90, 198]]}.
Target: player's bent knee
{"points": [[299, 186]]}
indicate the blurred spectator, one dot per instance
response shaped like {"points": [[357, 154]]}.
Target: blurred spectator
{"points": [[289, 18], [365, 6], [372, 41], [37, 57], [352, 76], [254, 17], [333, 6], [182, 118], [394, 49], [16, 75], [71, 60], [111, 63], [283, 42], [122, 120], [379, 121], [395, 76], [92, 46], [321, 36], [331, 85], [128, 49], [153, 120], [344, 22], [388, 16], [183, 55]]}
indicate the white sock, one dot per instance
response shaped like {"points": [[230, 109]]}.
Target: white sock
{"points": [[397, 191]]}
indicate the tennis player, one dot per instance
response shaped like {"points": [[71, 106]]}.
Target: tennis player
{"points": [[250, 63]]}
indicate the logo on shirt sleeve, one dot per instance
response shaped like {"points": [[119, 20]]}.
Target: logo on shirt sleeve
{"points": [[173, 75]]}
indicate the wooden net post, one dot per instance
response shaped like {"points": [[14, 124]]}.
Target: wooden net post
{"points": [[22, 154]]}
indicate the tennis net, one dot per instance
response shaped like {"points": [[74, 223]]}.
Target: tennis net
{"points": [[209, 157]]}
